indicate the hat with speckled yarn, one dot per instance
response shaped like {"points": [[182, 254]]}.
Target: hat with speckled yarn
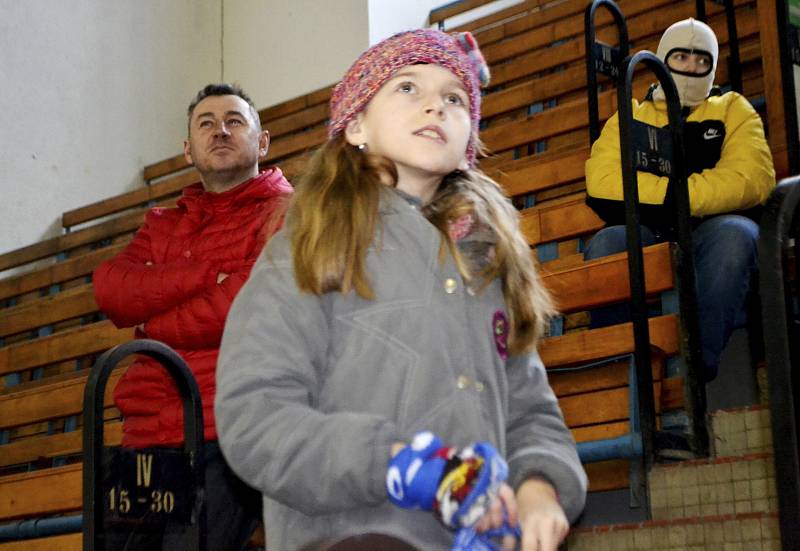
{"points": [[457, 52]]}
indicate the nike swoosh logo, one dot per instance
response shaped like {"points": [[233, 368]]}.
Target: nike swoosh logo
{"points": [[711, 133]]}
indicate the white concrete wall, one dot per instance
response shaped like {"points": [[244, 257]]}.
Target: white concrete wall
{"points": [[91, 91], [387, 17], [281, 49]]}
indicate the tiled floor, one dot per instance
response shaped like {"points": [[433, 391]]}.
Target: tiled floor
{"points": [[741, 432], [744, 532], [725, 503], [722, 486]]}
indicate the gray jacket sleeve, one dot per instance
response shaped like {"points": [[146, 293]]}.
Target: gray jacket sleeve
{"points": [[270, 369], [539, 443]]}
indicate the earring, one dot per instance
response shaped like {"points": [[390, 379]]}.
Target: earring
{"points": [[362, 146]]}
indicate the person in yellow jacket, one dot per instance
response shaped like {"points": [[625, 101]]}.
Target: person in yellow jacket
{"points": [[730, 174]]}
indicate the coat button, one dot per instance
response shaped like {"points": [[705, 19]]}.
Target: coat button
{"points": [[479, 386], [462, 382], [187, 253], [450, 285]]}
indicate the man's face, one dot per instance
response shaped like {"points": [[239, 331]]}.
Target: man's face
{"points": [[686, 61], [224, 140]]}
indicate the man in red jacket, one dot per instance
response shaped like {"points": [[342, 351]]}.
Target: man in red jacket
{"points": [[175, 282]]}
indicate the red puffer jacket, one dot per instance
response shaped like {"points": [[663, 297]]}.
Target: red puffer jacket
{"points": [[165, 283]]}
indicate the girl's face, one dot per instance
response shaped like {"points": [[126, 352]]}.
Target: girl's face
{"points": [[420, 120]]}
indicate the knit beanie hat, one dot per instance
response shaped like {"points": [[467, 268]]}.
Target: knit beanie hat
{"points": [[458, 52], [690, 36]]}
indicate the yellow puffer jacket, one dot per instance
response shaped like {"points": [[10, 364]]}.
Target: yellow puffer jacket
{"points": [[740, 177]]}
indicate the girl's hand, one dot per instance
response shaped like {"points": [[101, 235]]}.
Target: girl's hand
{"points": [[543, 522], [505, 504]]}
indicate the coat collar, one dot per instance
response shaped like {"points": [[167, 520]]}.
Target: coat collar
{"points": [[269, 183]]}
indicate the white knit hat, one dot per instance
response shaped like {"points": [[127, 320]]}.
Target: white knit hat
{"points": [[691, 36]]}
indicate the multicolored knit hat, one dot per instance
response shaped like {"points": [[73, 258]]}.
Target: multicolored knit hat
{"points": [[458, 52]]}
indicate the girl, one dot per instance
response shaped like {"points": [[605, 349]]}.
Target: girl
{"points": [[400, 297]]}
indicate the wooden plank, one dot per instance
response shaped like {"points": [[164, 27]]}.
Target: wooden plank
{"points": [[310, 116], [498, 17], [284, 108], [604, 406], [47, 447], [605, 280], [613, 475], [59, 272], [457, 7], [615, 340], [30, 253], [49, 491], [62, 346], [64, 542], [296, 143], [531, 91], [50, 401], [673, 394], [566, 20], [531, 174], [323, 95], [605, 377], [551, 122], [773, 86], [68, 304], [128, 200], [55, 245], [561, 221], [532, 61], [599, 432], [571, 81], [167, 166], [611, 406], [550, 15], [607, 475]]}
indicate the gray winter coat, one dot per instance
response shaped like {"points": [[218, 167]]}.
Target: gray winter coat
{"points": [[312, 391]]}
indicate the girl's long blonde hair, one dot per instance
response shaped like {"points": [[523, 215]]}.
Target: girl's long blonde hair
{"points": [[334, 212]]}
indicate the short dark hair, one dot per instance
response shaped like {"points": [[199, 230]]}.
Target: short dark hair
{"points": [[222, 89]]}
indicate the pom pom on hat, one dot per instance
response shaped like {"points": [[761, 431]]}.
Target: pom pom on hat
{"points": [[459, 53], [469, 45]]}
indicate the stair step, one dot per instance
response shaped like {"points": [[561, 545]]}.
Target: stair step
{"points": [[735, 532], [716, 486], [741, 431]]}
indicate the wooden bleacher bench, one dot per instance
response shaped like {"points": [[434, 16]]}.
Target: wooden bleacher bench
{"points": [[310, 109], [603, 281], [68, 270], [536, 57]]}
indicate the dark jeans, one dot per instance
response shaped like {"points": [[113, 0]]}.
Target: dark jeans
{"points": [[725, 260], [233, 510]]}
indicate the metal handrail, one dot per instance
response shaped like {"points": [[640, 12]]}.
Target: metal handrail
{"points": [[93, 437], [780, 224], [678, 193], [602, 58]]}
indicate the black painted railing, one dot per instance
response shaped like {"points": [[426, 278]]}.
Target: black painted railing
{"points": [[779, 244], [124, 488], [660, 151]]}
